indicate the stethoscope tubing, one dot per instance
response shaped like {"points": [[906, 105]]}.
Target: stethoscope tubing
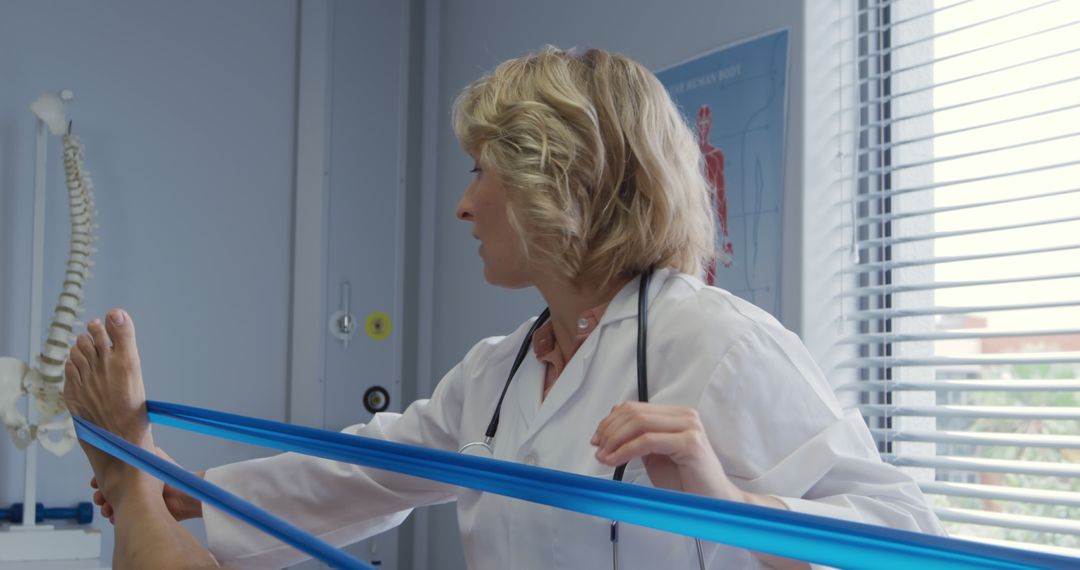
{"points": [[488, 443]]}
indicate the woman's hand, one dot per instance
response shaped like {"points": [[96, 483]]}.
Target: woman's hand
{"points": [[179, 504], [671, 442], [673, 445]]}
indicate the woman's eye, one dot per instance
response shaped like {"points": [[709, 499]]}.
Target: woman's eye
{"points": [[475, 169]]}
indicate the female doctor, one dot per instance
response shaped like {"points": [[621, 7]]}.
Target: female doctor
{"points": [[588, 186]]}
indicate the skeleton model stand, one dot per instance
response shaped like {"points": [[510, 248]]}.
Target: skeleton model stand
{"points": [[41, 379]]}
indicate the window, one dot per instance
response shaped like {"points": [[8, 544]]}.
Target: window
{"points": [[967, 279]]}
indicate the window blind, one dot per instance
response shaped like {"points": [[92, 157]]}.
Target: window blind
{"points": [[966, 273]]}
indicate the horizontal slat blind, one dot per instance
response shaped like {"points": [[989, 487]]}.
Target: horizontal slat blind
{"points": [[981, 438], [966, 226], [1005, 493], [1038, 524]]}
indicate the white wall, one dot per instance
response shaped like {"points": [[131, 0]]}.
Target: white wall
{"points": [[187, 113], [474, 37]]}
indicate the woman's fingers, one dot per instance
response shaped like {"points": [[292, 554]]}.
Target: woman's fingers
{"points": [[650, 443], [629, 417], [99, 500], [619, 433], [638, 429], [625, 410], [672, 443]]}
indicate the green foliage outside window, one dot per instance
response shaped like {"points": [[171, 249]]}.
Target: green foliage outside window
{"points": [[1040, 454]]}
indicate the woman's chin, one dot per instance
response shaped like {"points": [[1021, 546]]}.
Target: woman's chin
{"points": [[505, 281]]}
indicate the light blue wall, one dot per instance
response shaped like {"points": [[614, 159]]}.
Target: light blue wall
{"points": [[187, 113], [475, 36]]}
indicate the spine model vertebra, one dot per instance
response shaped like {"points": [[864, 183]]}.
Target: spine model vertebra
{"points": [[45, 382]]}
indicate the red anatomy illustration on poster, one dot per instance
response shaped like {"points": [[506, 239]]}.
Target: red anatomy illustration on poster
{"points": [[714, 172]]}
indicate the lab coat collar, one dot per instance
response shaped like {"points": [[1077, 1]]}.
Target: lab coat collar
{"points": [[625, 303], [623, 306], [534, 413]]}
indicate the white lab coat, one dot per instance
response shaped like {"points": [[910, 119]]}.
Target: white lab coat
{"points": [[768, 410]]}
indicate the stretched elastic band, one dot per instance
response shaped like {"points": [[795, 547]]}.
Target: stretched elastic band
{"points": [[212, 494], [801, 536]]}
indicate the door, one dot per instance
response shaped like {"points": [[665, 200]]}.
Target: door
{"points": [[363, 266]]}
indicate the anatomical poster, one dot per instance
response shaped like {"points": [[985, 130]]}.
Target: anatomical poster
{"points": [[734, 100]]}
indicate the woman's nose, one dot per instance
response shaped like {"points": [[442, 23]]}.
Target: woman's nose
{"points": [[464, 209]]}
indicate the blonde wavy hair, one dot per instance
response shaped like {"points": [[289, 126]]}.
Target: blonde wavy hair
{"points": [[603, 176]]}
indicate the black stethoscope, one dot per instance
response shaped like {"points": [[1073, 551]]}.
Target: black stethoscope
{"points": [[642, 386]]}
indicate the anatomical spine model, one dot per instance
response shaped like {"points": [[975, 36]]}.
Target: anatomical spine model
{"points": [[45, 382]]}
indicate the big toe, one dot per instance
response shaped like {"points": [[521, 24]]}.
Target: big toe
{"points": [[122, 331]]}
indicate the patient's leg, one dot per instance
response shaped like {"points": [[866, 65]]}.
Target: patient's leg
{"points": [[104, 385]]}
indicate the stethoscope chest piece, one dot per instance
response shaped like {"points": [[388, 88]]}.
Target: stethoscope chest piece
{"points": [[479, 446]]}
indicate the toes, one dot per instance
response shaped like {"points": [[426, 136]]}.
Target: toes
{"points": [[78, 357], [72, 381], [122, 331], [101, 340], [71, 372], [86, 347]]}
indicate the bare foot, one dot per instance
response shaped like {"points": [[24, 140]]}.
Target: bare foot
{"points": [[104, 386]]}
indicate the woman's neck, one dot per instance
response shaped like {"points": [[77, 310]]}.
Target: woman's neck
{"points": [[567, 301]]}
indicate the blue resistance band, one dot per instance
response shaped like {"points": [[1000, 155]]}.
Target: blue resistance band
{"points": [[213, 495], [794, 535]]}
